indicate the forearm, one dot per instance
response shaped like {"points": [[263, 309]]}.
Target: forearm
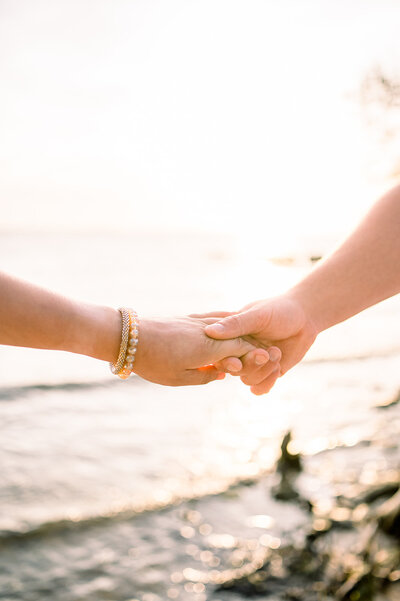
{"points": [[363, 271], [31, 316]]}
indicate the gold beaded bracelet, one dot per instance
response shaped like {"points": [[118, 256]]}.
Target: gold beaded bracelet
{"points": [[129, 341]]}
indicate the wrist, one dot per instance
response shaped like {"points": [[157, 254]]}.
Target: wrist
{"points": [[96, 332], [312, 322]]}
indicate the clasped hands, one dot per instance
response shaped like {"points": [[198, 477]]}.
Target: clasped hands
{"points": [[259, 343]]}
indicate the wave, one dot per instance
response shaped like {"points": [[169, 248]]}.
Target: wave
{"points": [[130, 511], [382, 354], [124, 513], [8, 393]]}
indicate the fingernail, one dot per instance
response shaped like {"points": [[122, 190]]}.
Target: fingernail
{"points": [[233, 368], [216, 327], [274, 354], [261, 360]]}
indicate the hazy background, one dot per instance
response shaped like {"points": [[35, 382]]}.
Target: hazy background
{"points": [[221, 115], [158, 154]]}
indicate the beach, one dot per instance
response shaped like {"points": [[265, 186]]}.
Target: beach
{"points": [[125, 490], [188, 157]]}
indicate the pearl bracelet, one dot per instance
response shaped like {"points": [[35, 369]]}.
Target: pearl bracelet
{"points": [[129, 341]]}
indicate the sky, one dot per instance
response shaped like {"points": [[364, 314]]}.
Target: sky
{"points": [[217, 115]]}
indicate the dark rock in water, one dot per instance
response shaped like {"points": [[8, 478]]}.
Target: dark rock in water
{"points": [[284, 489], [375, 492], [359, 586], [304, 568], [287, 468], [352, 561], [349, 550], [288, 461], [389, 516]]}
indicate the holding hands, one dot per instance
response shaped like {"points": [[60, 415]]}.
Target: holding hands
{"points": [[277, 324], [178, 352], [259, 343], [363, 271]]}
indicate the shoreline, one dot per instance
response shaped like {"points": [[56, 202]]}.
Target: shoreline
{"points": [[316, 529]]}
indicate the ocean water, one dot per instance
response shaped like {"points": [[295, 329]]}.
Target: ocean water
{"points": [[112, 490]]}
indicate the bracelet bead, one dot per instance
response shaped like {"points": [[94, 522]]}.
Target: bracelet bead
{"points": [[129, 341]]}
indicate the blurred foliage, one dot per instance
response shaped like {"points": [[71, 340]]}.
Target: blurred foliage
{"points": [[380, 88], [380, 102]]}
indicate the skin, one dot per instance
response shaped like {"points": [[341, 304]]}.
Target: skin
{"points": [[263, 360], [276, 333], [363, 271], [172, 352]]}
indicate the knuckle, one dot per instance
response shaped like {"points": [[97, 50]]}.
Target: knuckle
{"points": [[234, 322], [223, 366], [240, 346]]}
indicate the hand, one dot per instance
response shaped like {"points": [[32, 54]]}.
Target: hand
{"points": [[279, 322], [177, 352], [256, 365]]}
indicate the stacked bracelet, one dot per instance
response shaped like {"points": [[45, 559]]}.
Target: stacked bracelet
{"points": [[129, 341]]}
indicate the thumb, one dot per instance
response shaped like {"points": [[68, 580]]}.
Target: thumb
{"points": [[233, 326]]}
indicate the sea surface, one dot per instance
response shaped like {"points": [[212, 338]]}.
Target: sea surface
{"points": [[114, 490]]}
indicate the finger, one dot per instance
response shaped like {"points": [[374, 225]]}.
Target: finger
{"points": [[229, 365], [259, 375], [202, 375], [235, 347], [254, 360], [210, 320], [252, 364], [256, 369], [216, 314], [255, 366], [266, 385], [249, 363], [236, 325], [275, 353]]}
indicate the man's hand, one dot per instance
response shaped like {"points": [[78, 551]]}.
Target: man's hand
{"points": [[362, 271], [177, 352], [277, 324]]}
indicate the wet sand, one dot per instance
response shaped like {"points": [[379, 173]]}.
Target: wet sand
{"points": [[315, 528]]}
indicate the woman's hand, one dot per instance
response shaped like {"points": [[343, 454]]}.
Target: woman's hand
{"points": [[177, 352]]}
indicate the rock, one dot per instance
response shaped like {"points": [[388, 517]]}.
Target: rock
{"points": [[288, 461], [388, 515], [375, 492], [358, 587], [284, 490]]}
